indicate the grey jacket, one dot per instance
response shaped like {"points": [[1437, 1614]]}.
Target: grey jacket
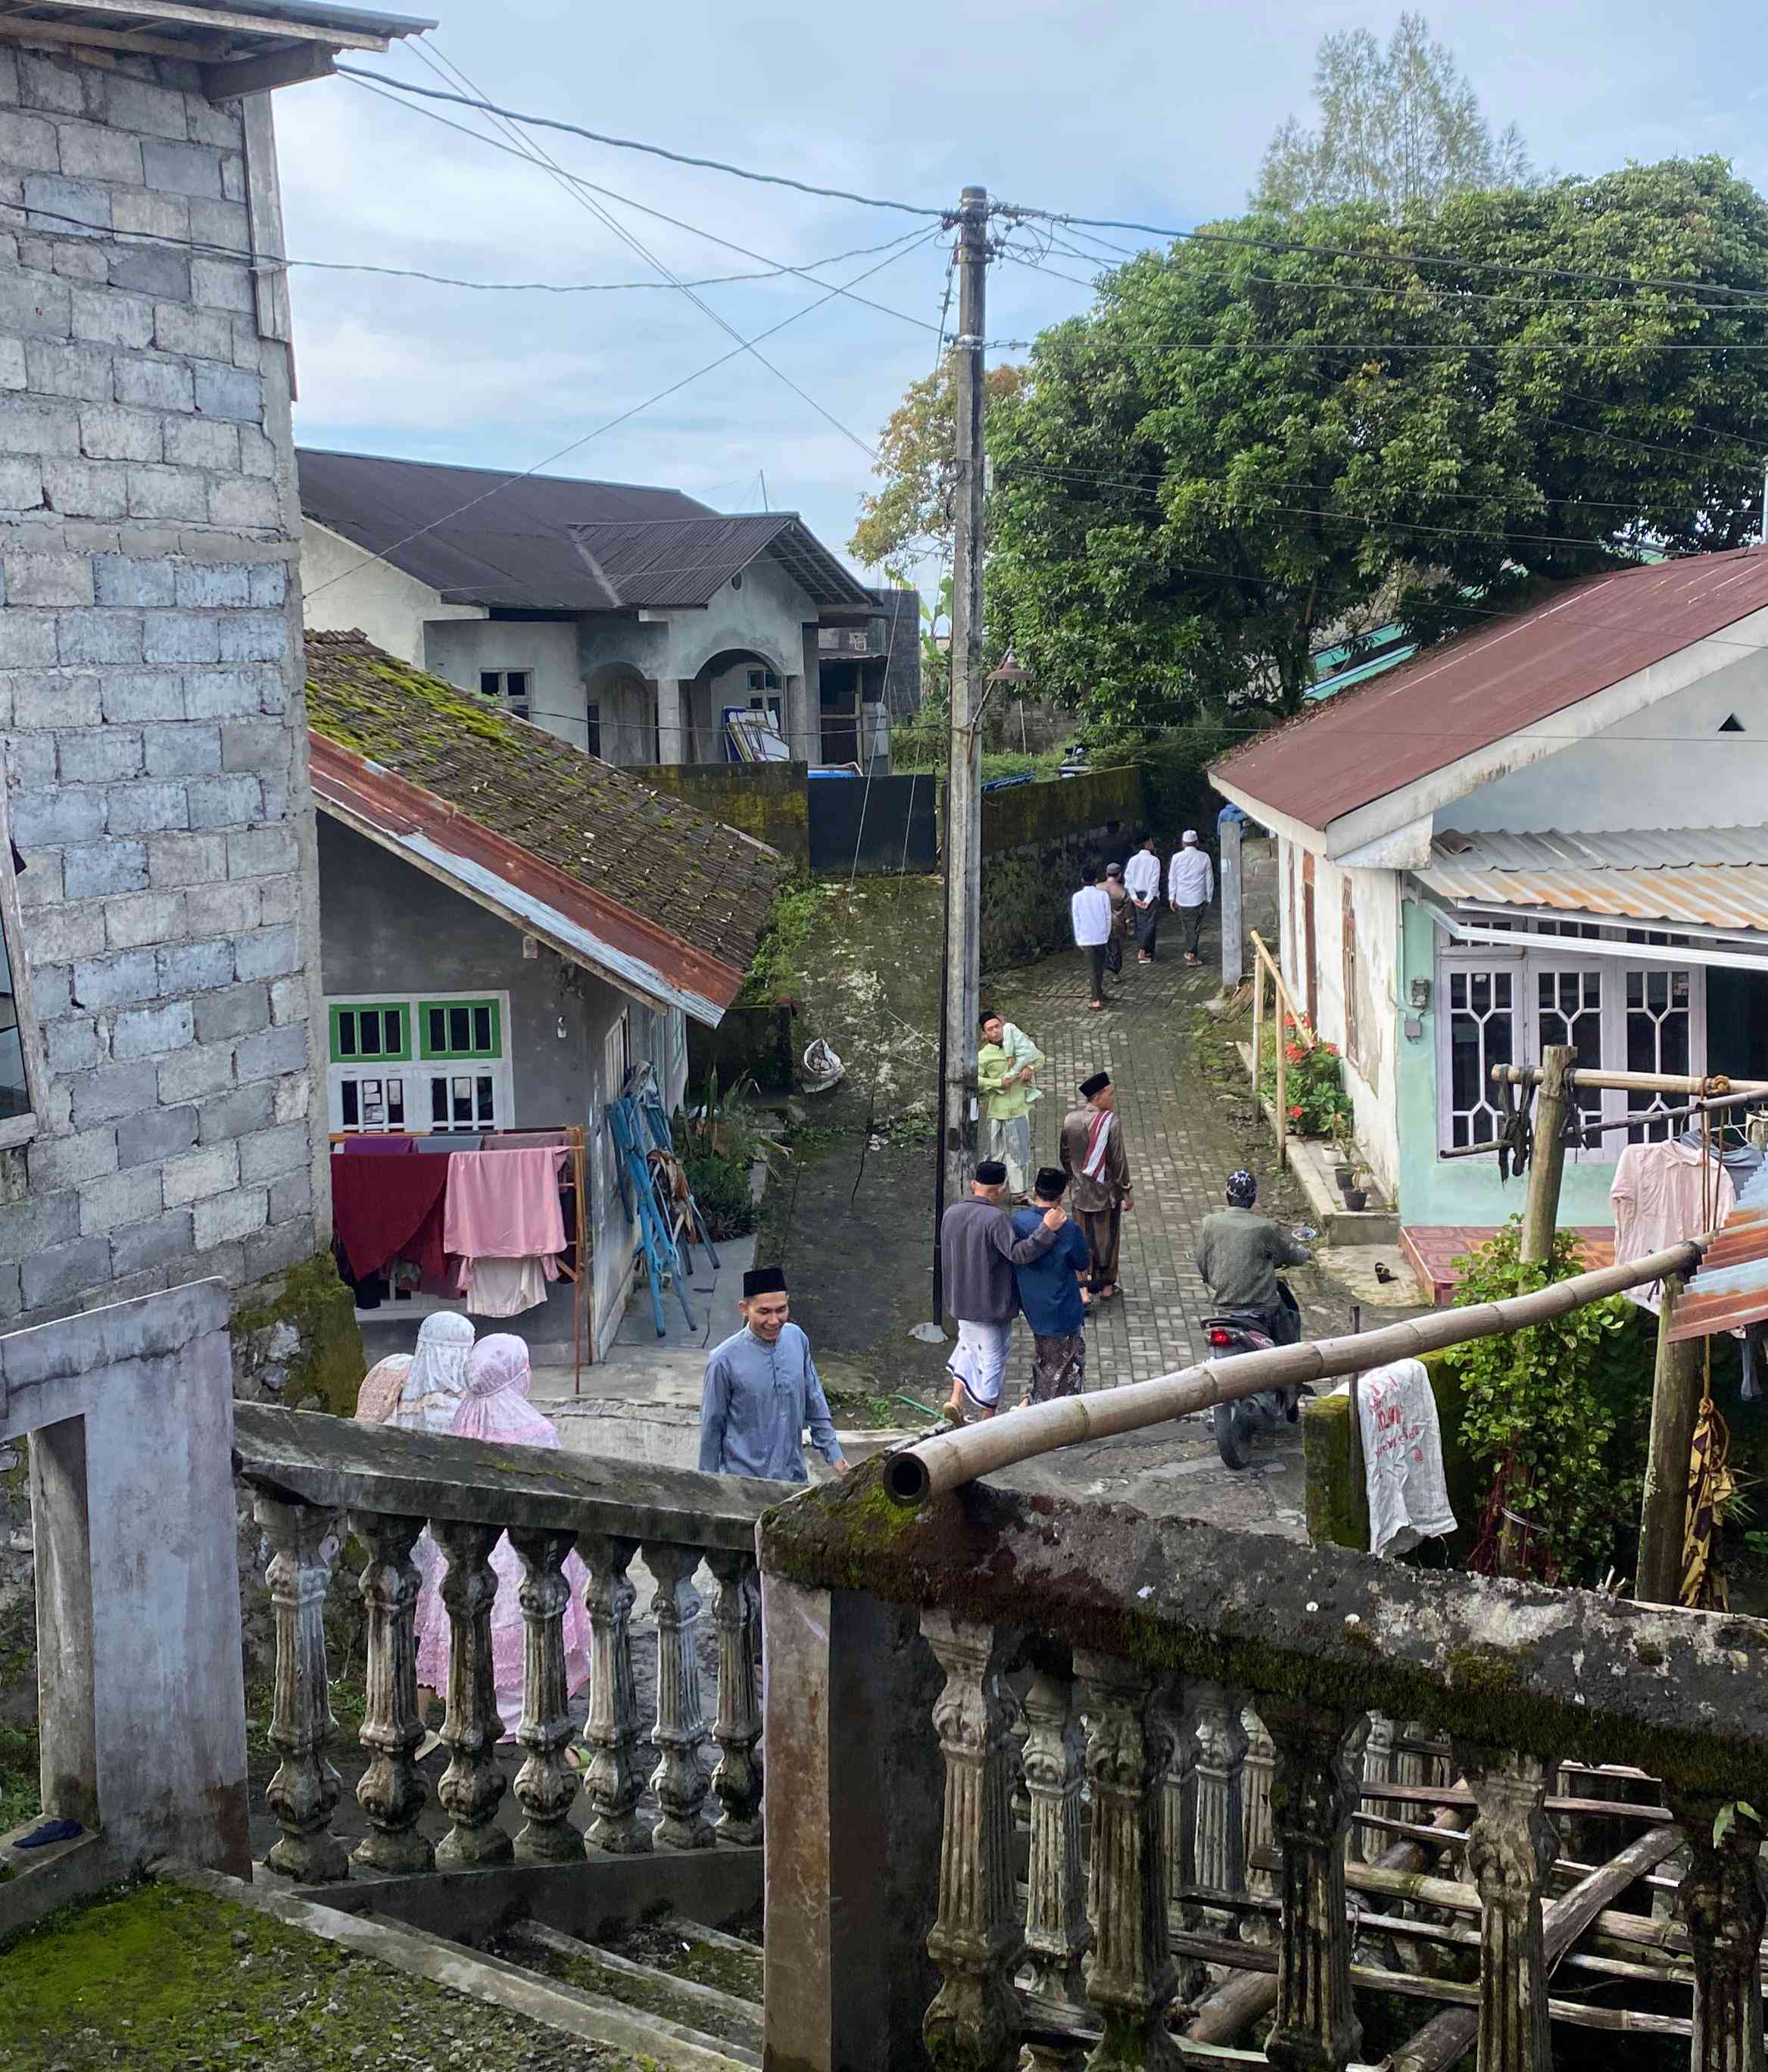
{"points": [[978, 1252], [1238, 1254]]}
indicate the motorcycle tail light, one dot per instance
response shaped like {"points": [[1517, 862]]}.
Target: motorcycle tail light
{"points": [[1221, 1337]]}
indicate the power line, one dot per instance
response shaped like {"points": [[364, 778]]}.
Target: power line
{"points": [[578, 444], [435, 62], [630, 143], [661, 216]]}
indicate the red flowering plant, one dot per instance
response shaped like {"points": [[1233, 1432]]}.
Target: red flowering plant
{"points": [[1313, 1087]]}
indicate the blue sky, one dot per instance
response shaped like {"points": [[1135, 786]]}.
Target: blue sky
{"points": [[1153, 109]]}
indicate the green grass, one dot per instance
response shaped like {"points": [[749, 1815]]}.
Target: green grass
{"points": [[164, 1980], [776, 974], [19, 1801]]}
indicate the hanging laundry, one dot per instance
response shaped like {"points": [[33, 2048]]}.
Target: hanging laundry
{"points": [[1403, 1458], [505, 1205], [505, 1287], [388, 1207], [1661, 1195]]}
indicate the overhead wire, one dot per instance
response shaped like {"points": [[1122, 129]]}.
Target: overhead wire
{"points": [[540, 156]]}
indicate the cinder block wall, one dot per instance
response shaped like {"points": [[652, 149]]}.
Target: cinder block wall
{"points": [[152, 725]]}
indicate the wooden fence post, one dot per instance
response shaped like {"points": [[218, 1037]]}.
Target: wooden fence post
{"points": [[1676, 1403], [1540, 1211]]}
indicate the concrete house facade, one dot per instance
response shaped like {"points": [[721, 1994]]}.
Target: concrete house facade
{"points": [[157, 881], [1548, 830], [623, 619]]}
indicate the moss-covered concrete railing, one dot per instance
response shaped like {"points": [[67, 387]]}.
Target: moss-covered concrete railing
{"points": [[311, 1473], [1210, 1689]]}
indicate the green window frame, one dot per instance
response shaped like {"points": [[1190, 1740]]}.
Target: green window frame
{"points": [[356, 1042], [460, 1029]]}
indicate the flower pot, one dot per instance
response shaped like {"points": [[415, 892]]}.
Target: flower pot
{"points": [[1342, 1175], [1356, 1198]]}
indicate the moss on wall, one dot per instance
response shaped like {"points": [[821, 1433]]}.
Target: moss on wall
{"points": [[1022, 813], [768, 800], [1338, 1501], [296, 1342]]}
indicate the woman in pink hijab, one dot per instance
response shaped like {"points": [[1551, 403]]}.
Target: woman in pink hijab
{"points": [[495, 1408]]}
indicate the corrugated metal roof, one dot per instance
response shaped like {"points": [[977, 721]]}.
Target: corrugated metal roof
{"points": [[1481, 686], [1731, 1288], [1697, 877], [1633, 849], [243, 28]]}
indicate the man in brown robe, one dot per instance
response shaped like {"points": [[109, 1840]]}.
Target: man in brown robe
{"points": [[1098, 1168]]}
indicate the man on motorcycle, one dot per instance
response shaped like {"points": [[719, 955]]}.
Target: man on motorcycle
{"points": [[1238, 1254]]}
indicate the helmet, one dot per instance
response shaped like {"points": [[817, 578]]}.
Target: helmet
{"points": [[1243, 1190]]}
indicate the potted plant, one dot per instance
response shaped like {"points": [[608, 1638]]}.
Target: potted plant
{"points": [[1344, 1159], [1356, 1194]]}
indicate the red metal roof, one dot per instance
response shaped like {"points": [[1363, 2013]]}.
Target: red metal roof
{"points": [[1475, 689]]}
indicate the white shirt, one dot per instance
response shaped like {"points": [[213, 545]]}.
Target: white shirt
{"points": [[1192, 880], [1141, 875], [1091, 907]]}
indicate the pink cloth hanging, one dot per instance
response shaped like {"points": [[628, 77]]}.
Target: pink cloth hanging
{"points": [[496, 1409], [1660, 1194], [504, 1205]]}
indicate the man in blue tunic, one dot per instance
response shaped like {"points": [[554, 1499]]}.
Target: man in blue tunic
{"points": [[761, 1390]]}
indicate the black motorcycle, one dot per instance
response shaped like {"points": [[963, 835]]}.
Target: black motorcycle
{"points": [[1238, 1423]]}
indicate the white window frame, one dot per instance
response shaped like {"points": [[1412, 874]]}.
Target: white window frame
{"points": [[1533, 956], [417, 1071], [19, 1129], [520, 702]]}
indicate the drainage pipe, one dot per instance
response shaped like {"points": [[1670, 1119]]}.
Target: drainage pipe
{"points": [[949, 1459]]}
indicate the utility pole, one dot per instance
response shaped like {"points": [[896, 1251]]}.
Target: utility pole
{"points": [[958, 1037]]}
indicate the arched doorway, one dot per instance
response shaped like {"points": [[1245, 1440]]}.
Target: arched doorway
{"points": [[739, 679], [621, 712]]}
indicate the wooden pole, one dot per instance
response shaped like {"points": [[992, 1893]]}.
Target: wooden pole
{"points": [[1540, 1211], [1676, 1405], [1282, 1039], [1258, 1024]]}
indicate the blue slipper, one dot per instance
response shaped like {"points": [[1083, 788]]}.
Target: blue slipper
{"points": [[51, 1831]]}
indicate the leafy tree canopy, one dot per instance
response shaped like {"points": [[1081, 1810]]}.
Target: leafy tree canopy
{"points": [[1242, 452], [1396, 126], [910, 517]]}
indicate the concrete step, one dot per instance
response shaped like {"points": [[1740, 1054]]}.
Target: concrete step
{"points": [[679, 2005], [711, 1958]]}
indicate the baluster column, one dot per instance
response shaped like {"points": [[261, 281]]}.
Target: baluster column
{"points": [[680, 1779], [1260, 1837], [1179, 1830], [973, 2023], [1222, 1743], [1055, 1760], [304, 1791], [736, 1610], [1378, 1769], [1724, 1908], [614, 1779], [393, 1790], [1316, 2029], [472, 1787], [1510, 1848], [1128, 1755], [546, 1784]]}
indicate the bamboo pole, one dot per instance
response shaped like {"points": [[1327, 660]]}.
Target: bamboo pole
{"points": [[1258, 1023], [1676, 1405], [945, 1460], [1634, 1083], [1547, 1165], [1282, 1048]]}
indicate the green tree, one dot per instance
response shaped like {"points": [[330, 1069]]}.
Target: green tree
{"points": [[1396, 126], [1242, 452], [909, 518]]}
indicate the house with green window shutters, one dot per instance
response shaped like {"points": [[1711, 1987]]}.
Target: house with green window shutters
{"points": [[1550, 828], [508, 924]]}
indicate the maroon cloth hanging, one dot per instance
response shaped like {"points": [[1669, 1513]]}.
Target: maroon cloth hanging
{"points": [[388, 1208]]}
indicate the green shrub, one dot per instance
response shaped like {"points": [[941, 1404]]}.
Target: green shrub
{"points": [[1313, 1083], [721, 1186]]}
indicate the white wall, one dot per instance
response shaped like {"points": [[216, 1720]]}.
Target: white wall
{"points": [[344, 592], [1667, 767], [1369, 1077], [546, 648]]}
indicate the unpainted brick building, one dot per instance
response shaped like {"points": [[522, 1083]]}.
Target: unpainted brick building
{"points": [[158, 892]]}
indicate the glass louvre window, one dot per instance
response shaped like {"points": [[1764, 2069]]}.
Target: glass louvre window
{"points": [[461, 1029], [463, 1101], [1570, 1008], [1482, 1033], [1659, 1039], [369, 1102]]}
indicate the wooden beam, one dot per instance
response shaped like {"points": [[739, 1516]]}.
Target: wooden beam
{"points": [[224, 23], [1676, 1385], [239, 77], [21, 28]]}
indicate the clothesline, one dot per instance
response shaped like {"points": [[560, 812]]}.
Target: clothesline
{"points": [[509, 1241]]}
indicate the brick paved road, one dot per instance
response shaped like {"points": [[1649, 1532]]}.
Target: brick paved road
{"points": [[1184, 1136]]}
